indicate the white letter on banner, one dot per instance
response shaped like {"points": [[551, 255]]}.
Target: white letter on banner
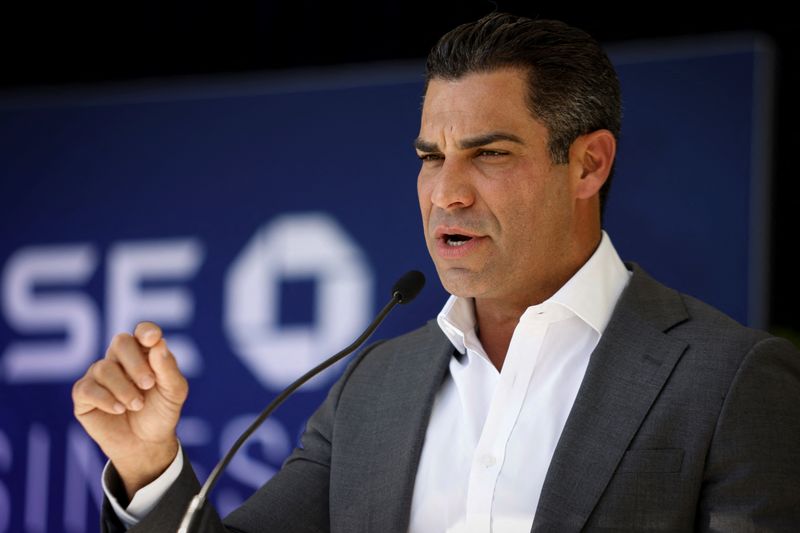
{"points": [[37, 483], [84, 466], [128, 303], [53, 311], [300, 246], [5, 496]]}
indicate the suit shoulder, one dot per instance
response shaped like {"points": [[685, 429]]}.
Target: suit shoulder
{"points": [[403, 357], [707, 324], [711, 336], [715, 336], [423, 336]]}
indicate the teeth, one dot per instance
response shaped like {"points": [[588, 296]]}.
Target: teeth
{"points": [[451, 242]]}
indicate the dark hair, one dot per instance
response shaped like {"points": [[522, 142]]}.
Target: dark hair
{"points": [[573, 87]]}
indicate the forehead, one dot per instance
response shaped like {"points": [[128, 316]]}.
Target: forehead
{"points": [[478, 102]]}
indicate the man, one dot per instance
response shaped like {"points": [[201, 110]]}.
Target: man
{"points": [[558, 390]]}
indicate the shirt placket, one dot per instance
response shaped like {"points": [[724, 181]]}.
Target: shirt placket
{"points": [[506, 405]]}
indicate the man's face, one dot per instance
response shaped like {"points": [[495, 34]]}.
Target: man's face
{"points": [[498, 215]]}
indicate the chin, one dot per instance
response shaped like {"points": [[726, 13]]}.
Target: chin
{"points": [[462, 283]]}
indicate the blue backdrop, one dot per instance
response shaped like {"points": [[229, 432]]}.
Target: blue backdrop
{"points": [[263, 221]]}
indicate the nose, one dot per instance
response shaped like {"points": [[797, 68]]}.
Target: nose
{"points": [[452, 186]]}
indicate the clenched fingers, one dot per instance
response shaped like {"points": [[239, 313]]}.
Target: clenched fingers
{"points": [[111, 376], [126, 350], [106, 387]]}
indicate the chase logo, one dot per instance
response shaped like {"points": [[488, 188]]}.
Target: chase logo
{"points": [[306, 246]]}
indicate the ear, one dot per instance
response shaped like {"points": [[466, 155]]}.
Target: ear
{"points": [[592, 156]]}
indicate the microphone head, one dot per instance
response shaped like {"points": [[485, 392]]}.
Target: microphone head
{"points": [[408, 286]]}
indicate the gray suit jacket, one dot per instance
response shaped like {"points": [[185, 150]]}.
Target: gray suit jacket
{"points": [[685, 420]]}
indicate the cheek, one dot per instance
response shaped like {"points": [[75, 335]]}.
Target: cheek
{"points": [[423, 195], [424, 187], [520, 211]]}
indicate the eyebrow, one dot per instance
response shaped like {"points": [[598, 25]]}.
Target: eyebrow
{"points": [[470, 142]]}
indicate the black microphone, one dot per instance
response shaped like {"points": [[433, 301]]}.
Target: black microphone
{"points": [[405, 289]]}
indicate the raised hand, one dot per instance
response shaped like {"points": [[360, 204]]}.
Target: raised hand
{"points": [[130, 401]]}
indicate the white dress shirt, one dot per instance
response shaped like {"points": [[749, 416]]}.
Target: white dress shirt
{"points": [[145, 498], [491, 434]]}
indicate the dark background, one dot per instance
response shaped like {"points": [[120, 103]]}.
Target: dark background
{"points": [[75, 44]]}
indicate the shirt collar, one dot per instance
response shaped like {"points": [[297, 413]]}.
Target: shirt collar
{"points": [[590, 294], [594, 290], [457, 320]]}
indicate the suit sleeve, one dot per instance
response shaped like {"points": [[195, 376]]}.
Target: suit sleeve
{"points": [[752, 477], [295, 499]]}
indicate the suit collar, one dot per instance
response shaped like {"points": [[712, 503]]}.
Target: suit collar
{"points": [[656, 304], [626, 372], [421, 364]]}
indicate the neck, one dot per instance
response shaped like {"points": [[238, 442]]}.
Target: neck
{"points": [[497, 318], [495, 326]]}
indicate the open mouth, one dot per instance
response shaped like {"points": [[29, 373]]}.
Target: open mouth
{"points": [[456, 239]]}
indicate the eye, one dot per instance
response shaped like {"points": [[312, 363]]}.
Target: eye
{"points": [[491, 153], [430, 157]]}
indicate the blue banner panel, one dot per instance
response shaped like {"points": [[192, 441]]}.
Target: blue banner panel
{"points": [[262, 222], [690, 203]]}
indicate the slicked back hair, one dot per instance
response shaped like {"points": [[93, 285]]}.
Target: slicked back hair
{"points": [[573, 88]]}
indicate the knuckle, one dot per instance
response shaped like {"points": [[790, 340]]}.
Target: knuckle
{"points": [[183, 386], [102, 370], [119, 341], [87, 392], [96, 369], [86, 376], [91, 392], [78, 388]]}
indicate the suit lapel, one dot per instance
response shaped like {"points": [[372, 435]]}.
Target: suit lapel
{"points": [[409, 390], [626, 372]]}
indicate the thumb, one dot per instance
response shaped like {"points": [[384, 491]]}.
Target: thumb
{"points": [[169, 380]]}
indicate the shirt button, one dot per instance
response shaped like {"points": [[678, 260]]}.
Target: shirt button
{"points": [[487, 460]]}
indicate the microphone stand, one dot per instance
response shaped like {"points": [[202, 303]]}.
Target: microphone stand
{"points": [[406, 288]]}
